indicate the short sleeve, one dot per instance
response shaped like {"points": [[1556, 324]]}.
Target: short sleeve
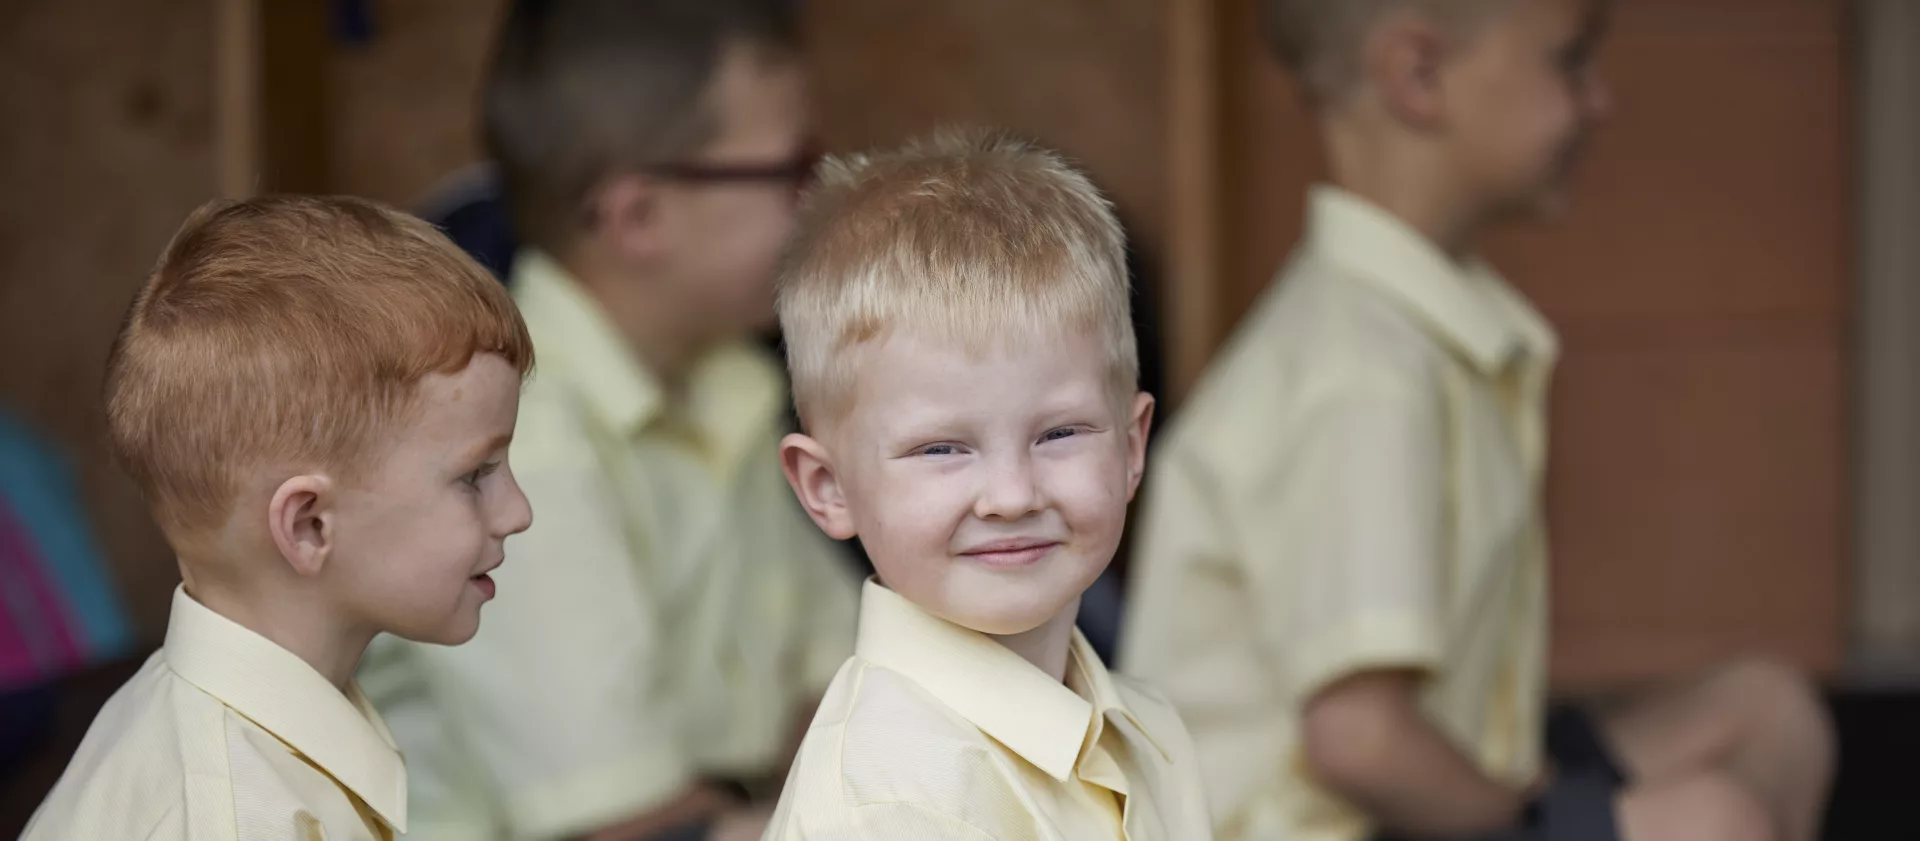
{"points": [[1344, 534], [560, 696]]}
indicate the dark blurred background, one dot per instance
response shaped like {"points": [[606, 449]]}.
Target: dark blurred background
{"points": [[1736, 454]]}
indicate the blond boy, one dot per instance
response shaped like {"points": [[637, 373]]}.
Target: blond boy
{"points": [[956, 318], [1342, 576], [648, 677], [315, 396]]}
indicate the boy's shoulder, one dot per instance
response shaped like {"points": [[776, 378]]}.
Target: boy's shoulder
{"points": [[893, 733], [1319, 331], [128, 777], [880, 742], [1321, 322]]}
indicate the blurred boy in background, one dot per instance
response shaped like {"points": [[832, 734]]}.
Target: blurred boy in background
{"points": [[675, 615], [1342, 573]]}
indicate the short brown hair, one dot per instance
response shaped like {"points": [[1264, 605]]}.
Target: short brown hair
{"points": [[1319, 41], [288, 330], [581, 89], [973, 236]]}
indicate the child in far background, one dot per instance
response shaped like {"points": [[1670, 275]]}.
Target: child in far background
{"points": [[315, 396], [956, 319], [1341, 578]]}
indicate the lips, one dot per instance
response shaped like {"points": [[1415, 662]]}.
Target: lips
{"points": [[1011, 552], [485, 581]]}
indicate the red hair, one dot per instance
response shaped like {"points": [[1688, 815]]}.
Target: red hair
{"points": [[291, 331]]}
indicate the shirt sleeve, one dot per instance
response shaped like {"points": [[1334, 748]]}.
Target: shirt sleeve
{"points": [[560, 695], [1344, 533]]}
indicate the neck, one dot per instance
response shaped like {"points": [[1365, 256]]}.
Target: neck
{"points": [[1046, 646], [291, 620], [1406, 177], [664, 340]]}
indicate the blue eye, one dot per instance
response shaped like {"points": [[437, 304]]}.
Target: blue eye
{"points": [[937, 450], [1058, 434]]}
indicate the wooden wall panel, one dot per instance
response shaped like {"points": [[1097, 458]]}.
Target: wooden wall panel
{"points": [[1084, 76], [403, 108], [108, 146], [1700, 284]]}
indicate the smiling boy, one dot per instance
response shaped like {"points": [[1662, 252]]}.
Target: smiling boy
{"points": [[957, 324]]}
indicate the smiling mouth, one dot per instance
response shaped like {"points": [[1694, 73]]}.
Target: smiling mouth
{"points": [[1014, 554]]}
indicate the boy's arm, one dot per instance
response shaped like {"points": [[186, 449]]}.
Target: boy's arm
{"points": [[1347, 540], [1365, 738]]}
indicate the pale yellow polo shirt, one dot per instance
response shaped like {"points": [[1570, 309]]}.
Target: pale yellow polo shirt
{"points": [[933, 731], [1354, 485], [225, 736], [665, 617]]}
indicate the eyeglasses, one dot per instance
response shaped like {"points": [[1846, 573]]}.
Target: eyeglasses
{"points": [[797, 172]]}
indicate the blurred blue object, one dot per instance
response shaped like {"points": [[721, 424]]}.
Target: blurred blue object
{"points": [[58, 609], [59, 613]]}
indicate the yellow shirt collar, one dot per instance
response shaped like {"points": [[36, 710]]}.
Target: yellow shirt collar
{"points": [[275, 689], [1470, 306], [733, 394], [1008, 698]]}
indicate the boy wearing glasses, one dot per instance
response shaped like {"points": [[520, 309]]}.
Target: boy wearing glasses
{"points": [[647, 669]]}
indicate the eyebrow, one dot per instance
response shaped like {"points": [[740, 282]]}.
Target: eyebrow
{"points": [[473, 454]]}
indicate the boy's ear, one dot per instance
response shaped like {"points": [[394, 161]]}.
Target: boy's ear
{"points": [[1138, 426], [626, 215], [1402, 59], [809, 469], [301, 518]]}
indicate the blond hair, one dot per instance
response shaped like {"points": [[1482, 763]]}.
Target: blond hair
{"points": [[1320, 41], [288, 330], [973, 237]]}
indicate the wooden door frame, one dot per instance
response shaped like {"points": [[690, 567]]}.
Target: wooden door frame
{"points": [[1196, 191], [1885, 620], [270, 98]]}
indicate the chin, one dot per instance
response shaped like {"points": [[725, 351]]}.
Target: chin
{"points": [[454, 630], [1006, 613]]}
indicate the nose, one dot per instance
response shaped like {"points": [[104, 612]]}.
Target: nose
{"points": [[1010, 491], [515, 513]]}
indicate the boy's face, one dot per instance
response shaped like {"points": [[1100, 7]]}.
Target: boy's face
{"points": [[990, 490], [416, 537], [1525, 98], [722, 239]]}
